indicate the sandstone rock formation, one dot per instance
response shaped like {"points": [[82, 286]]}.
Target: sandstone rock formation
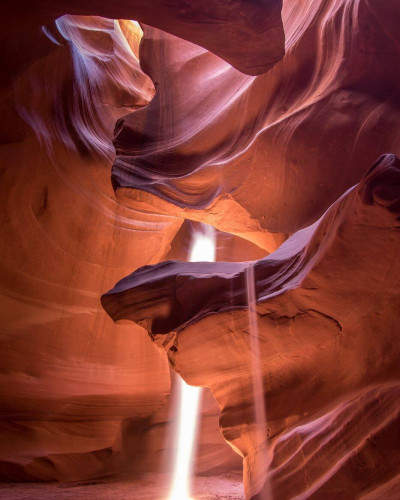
{"points": [[327, 313], [270, 153], [91, 78], [76, 390], [246, 33], [69, 377], [213, 120]]}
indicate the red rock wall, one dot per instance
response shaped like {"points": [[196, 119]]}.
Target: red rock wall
{"points": [[76, 390], [269, 153], [243, 115], [325, 322], [69, 376]]}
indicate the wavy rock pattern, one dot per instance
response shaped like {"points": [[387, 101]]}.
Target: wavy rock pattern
{"points": [[327, 313], [90, 79], [295, 137], [218, 123], [69, 377], [79, 397], [246, 33]]}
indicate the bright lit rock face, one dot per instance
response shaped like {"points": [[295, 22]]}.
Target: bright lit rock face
{"points": [[268, 153], [80, 397], [69, 376], [327, 310], [255, 116]]}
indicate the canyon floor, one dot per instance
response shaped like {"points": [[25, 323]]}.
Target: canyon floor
{"points": [[148, 487]]}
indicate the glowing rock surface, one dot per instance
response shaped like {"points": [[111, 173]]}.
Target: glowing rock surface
{"points": [[327, 314], [216, 117]]}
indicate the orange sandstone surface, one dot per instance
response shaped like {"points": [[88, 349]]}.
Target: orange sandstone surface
{"points": [[327, 310], [125, 125]]}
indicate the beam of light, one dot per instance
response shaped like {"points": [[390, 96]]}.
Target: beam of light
{"points": [[203, 249], [260, 410]]}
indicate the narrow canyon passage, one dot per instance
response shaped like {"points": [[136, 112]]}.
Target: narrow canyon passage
{"points": [[199, 273]]}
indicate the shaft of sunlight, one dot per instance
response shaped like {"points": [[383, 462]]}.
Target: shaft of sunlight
{"points": [[202, 250]]}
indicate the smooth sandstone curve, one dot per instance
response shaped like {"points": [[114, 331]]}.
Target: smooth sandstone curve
{"points": [[327, 314]]}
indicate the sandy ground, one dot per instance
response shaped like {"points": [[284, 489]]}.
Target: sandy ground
{"points": [[149, 487]]}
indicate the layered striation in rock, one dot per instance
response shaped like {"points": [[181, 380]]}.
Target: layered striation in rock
{"points": [[69, 378], [326, 315], [214, 123], [80, 398], [90, 78], [255, 155], [149, 446], [246, 33]]}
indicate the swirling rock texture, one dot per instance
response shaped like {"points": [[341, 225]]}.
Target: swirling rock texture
{"points": [[71, 381], [326, 316], [91, 78], [295, 137], [246, 33], [254, 116], [80, 398]]}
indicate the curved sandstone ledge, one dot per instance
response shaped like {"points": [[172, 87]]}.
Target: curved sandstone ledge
{"points": [[248, 34], [77, 391], [326, 321], [89, 79], [283, 145]]}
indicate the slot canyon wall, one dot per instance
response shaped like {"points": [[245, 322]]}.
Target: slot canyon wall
{"points": [[275, 122], [77, 391]]}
